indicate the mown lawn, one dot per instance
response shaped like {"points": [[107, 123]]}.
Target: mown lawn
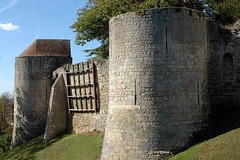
{"points": [[223, 147], [68, 146]]}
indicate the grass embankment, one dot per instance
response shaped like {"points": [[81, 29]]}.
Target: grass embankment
{"points": [[88, 147], [223, 147], [68, 146]]}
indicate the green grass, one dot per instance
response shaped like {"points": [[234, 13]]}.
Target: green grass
{"points": [[68, 146], [88, 147], [223, 147]]}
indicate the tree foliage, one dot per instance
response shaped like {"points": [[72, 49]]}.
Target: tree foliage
{"points": [[5, 142], [226, 11], [6, 120], [92, 21], [6, 111]]}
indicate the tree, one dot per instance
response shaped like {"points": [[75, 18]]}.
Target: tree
{"points": [[6, 120], [92, 21], [6, 111], [226, 11]]}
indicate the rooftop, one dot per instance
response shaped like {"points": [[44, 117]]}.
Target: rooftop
{"points": [[48, 47]]}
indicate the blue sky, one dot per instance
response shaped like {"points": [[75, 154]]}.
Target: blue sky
{"points": [[23, 21]]}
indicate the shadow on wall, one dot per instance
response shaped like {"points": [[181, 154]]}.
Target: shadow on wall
{"points": [[97, 90], [69, 126], [25, 119], [225, 108], [223, 88], [224, 82]]}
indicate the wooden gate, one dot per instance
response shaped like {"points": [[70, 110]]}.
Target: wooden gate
{"points": [[81, 87]]}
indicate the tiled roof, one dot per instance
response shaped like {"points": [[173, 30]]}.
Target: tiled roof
{"points": [[48, 47]]}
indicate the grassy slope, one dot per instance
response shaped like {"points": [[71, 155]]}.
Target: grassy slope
{"points": [[88, 147], [70, 147], [223, 147]]}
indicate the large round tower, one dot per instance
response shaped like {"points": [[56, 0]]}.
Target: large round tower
{"points": [[33, 81], [157, 82]]}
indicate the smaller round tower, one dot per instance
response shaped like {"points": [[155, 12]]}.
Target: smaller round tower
{"points": [[33, 81]]}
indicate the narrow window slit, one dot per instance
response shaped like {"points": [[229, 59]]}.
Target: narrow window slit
{"points": [[46, 93], [135, 96], [198, 92], [166, 29]]}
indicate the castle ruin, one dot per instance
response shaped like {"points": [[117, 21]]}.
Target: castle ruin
{"points": [[170, 77]]}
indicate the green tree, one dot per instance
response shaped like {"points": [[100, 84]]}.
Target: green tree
{"points": [[6, 120], [6, 111], [226, 11], [5, 142], [92, 21]]}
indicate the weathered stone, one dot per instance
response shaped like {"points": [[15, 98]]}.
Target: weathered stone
{"points": [[168, 39], [82, 122], [56, 118], [33, 81], [173, 76]]}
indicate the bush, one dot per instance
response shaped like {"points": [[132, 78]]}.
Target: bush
{"points": [[5, 142]]}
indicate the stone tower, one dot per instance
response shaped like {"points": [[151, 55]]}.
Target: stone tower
{"points": [[157, 82], [33, 81]]}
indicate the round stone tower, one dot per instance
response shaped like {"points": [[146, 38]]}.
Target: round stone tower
{"points": [[157, 82], [33, 81]]}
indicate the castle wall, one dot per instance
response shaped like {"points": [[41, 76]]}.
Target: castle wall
{"points": [[171, 74], [157, 83], [33, 81], [223, 78], [56, 118], [82, 122], [87, 121]]}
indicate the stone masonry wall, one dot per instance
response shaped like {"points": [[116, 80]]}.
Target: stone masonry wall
{"points": [[56, 118], [223, 78], [157, 83], [87, 121], [33, 81]]}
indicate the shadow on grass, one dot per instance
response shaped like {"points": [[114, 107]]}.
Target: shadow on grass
{"points": [[28, 150]]}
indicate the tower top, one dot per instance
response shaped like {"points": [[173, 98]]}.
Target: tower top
{"points": [[48, 47]]}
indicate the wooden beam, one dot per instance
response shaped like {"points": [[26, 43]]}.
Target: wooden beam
{"points": [[94, 86], [66, 85]]}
